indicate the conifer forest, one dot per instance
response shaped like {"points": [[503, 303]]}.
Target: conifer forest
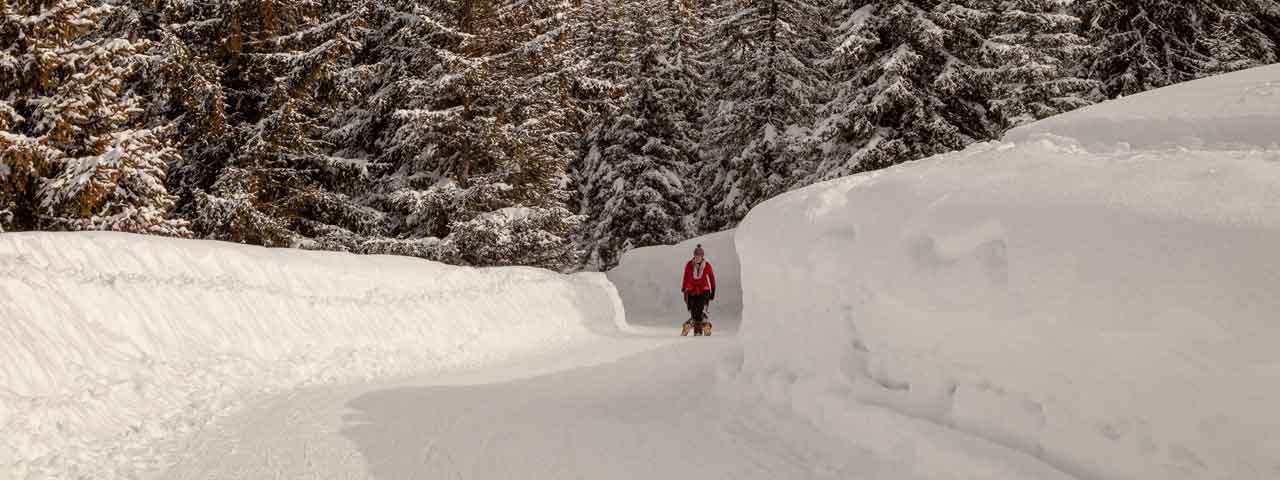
{"points": [[550, 133]]}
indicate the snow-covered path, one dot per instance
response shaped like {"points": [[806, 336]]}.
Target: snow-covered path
{"points": [[644, 406], [629, 417]]}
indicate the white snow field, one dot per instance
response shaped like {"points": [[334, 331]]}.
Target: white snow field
{"points": [[1093, 298]]}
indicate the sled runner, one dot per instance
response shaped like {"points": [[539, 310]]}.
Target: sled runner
{"points": [[689, 327]]}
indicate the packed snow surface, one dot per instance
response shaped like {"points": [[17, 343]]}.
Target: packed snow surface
{"points": [[1108, 309]]}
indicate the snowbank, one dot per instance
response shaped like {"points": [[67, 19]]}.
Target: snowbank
{"points": [[1111, 312], [1239, 110], [648, 280], [109, 341]]}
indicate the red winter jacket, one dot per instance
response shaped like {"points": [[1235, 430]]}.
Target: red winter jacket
{"points": [[694, 286]]}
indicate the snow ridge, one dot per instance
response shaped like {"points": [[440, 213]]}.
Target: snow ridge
{"points": [[1237, 111]]}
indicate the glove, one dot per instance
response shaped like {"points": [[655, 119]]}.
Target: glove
{"points": [[713, 295]]}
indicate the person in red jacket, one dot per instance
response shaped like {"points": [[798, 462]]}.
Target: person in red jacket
{"points": [[699, 287]]}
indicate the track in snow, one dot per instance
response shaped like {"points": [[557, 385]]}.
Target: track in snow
{"points": [[642, 408], [639, 406]]}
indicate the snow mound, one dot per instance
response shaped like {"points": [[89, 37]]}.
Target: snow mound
{"points": [[1236, 110], [111, 341], [1111, 314], [648, 280]]}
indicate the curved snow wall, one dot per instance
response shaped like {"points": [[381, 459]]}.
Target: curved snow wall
{"points": [[1113, 312], [109, 339], [648, 280]]}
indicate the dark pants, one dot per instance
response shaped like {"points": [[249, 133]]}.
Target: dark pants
{"points": [[698, 307]]}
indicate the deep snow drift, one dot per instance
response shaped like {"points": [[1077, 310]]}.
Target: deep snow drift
{"points": [[109, 342], [1109, 308]]}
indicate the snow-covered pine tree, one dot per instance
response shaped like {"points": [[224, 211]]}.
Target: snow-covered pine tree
{"points": [[637, 184], [909, 85], [602, 41], [1269, 21], [1240, 37], [187, 94], [72, 153], [764, 87], [442, 122], [180, 77], [1146, 44], [272, 179], [608, 39], [397, 69], [488, 183], [184, 83], [1032, 57], [394, 69], [537, 133]]}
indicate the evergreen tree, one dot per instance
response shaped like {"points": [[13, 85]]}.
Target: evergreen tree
{"points": [[909, 86], [606, 39], [637, 169], [488, 185], [535, 145], [765, 85], [602, 42], [1269, 21], [73, 154], [1032, 57], [447, 129], [272, 178], [1147, 44]]}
